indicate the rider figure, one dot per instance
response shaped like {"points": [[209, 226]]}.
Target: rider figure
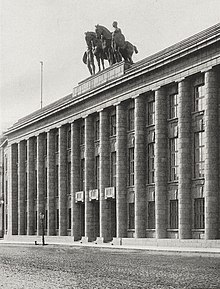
{"points": [[116, 32]]}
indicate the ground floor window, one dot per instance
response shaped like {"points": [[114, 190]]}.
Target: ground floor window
{"points": [[173, 214], [151, 215], [131, 216], [35, 223], [46, 219], [69, 218], [57, 219], [199, 213]]}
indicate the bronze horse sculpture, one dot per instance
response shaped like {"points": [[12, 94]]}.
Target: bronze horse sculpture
{"points": [[106, 37], [125, 48], [94, 46]]}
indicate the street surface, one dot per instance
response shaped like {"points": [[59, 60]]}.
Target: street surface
{"points": [[51, 267]]}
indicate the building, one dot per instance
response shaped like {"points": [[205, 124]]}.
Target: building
{"points": [[133, 152]]}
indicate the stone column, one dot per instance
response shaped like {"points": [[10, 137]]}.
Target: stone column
{"points": [[161, 163], [75, 180], [211, 155], [104, 173], [89, 177], [51, 182], [62, 181], [140, 167], [185, 160], [30, 186], [40, 181], [12, 190], [121, 168], [21, 188]]}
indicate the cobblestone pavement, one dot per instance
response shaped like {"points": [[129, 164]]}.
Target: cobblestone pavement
{"points": [[33, 267]]}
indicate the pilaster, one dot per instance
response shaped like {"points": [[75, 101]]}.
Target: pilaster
{"points": [[161, 163], [75, 180], [104, 174], [51, 182], [21, 187], [121, 168], [140, 167], [62, 181], [40, 181], [89, 177], [30, 186], [211, 157], [185, 160], [13, 190]]}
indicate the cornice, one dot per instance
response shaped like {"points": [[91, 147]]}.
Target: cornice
{"points": [[170, 54]]}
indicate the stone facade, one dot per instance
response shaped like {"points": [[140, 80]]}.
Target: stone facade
{"points": [[134, 156]]}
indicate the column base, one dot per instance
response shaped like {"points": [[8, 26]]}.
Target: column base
{"points": [[99, 240], [117, 241], [84, 240]]}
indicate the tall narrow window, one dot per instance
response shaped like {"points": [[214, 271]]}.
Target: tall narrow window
{"points": [[173, 159], [25, 150], [97, 129], [151, 112], [173, 214], [45, 182], [69, 219], [131, 167], [82, 174], [57, 219], [151, 215], [113, 125], [35, 184], [199, 97], [113, 170], [151, 168], [199, 215], [173, 105], [97, 172], [69, 139], [25, 185], [131, 119], [199, 154], [46, 219], [131, 216], [56, 180], [45, 145], [69, 178], [35, 221], [82, 134], [56, 143], [25, 221], [35, 148]]}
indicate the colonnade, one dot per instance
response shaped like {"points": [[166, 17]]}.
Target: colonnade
{"points": [[23, 165]]}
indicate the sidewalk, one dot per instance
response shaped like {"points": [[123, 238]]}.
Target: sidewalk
{"points": [[165, 245]]}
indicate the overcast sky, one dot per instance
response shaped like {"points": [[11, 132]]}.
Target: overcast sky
{"points": [[52, 31]]}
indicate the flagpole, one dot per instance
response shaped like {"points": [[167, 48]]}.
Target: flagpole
{"points": [[41, 85]]}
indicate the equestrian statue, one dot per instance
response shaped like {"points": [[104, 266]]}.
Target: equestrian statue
{"points": [[94, 48], [105, 45]]}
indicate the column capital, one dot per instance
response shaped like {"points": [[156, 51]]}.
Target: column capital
{"points": [[117, 103], [206, 69], [181, 79], [156, 88]]}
